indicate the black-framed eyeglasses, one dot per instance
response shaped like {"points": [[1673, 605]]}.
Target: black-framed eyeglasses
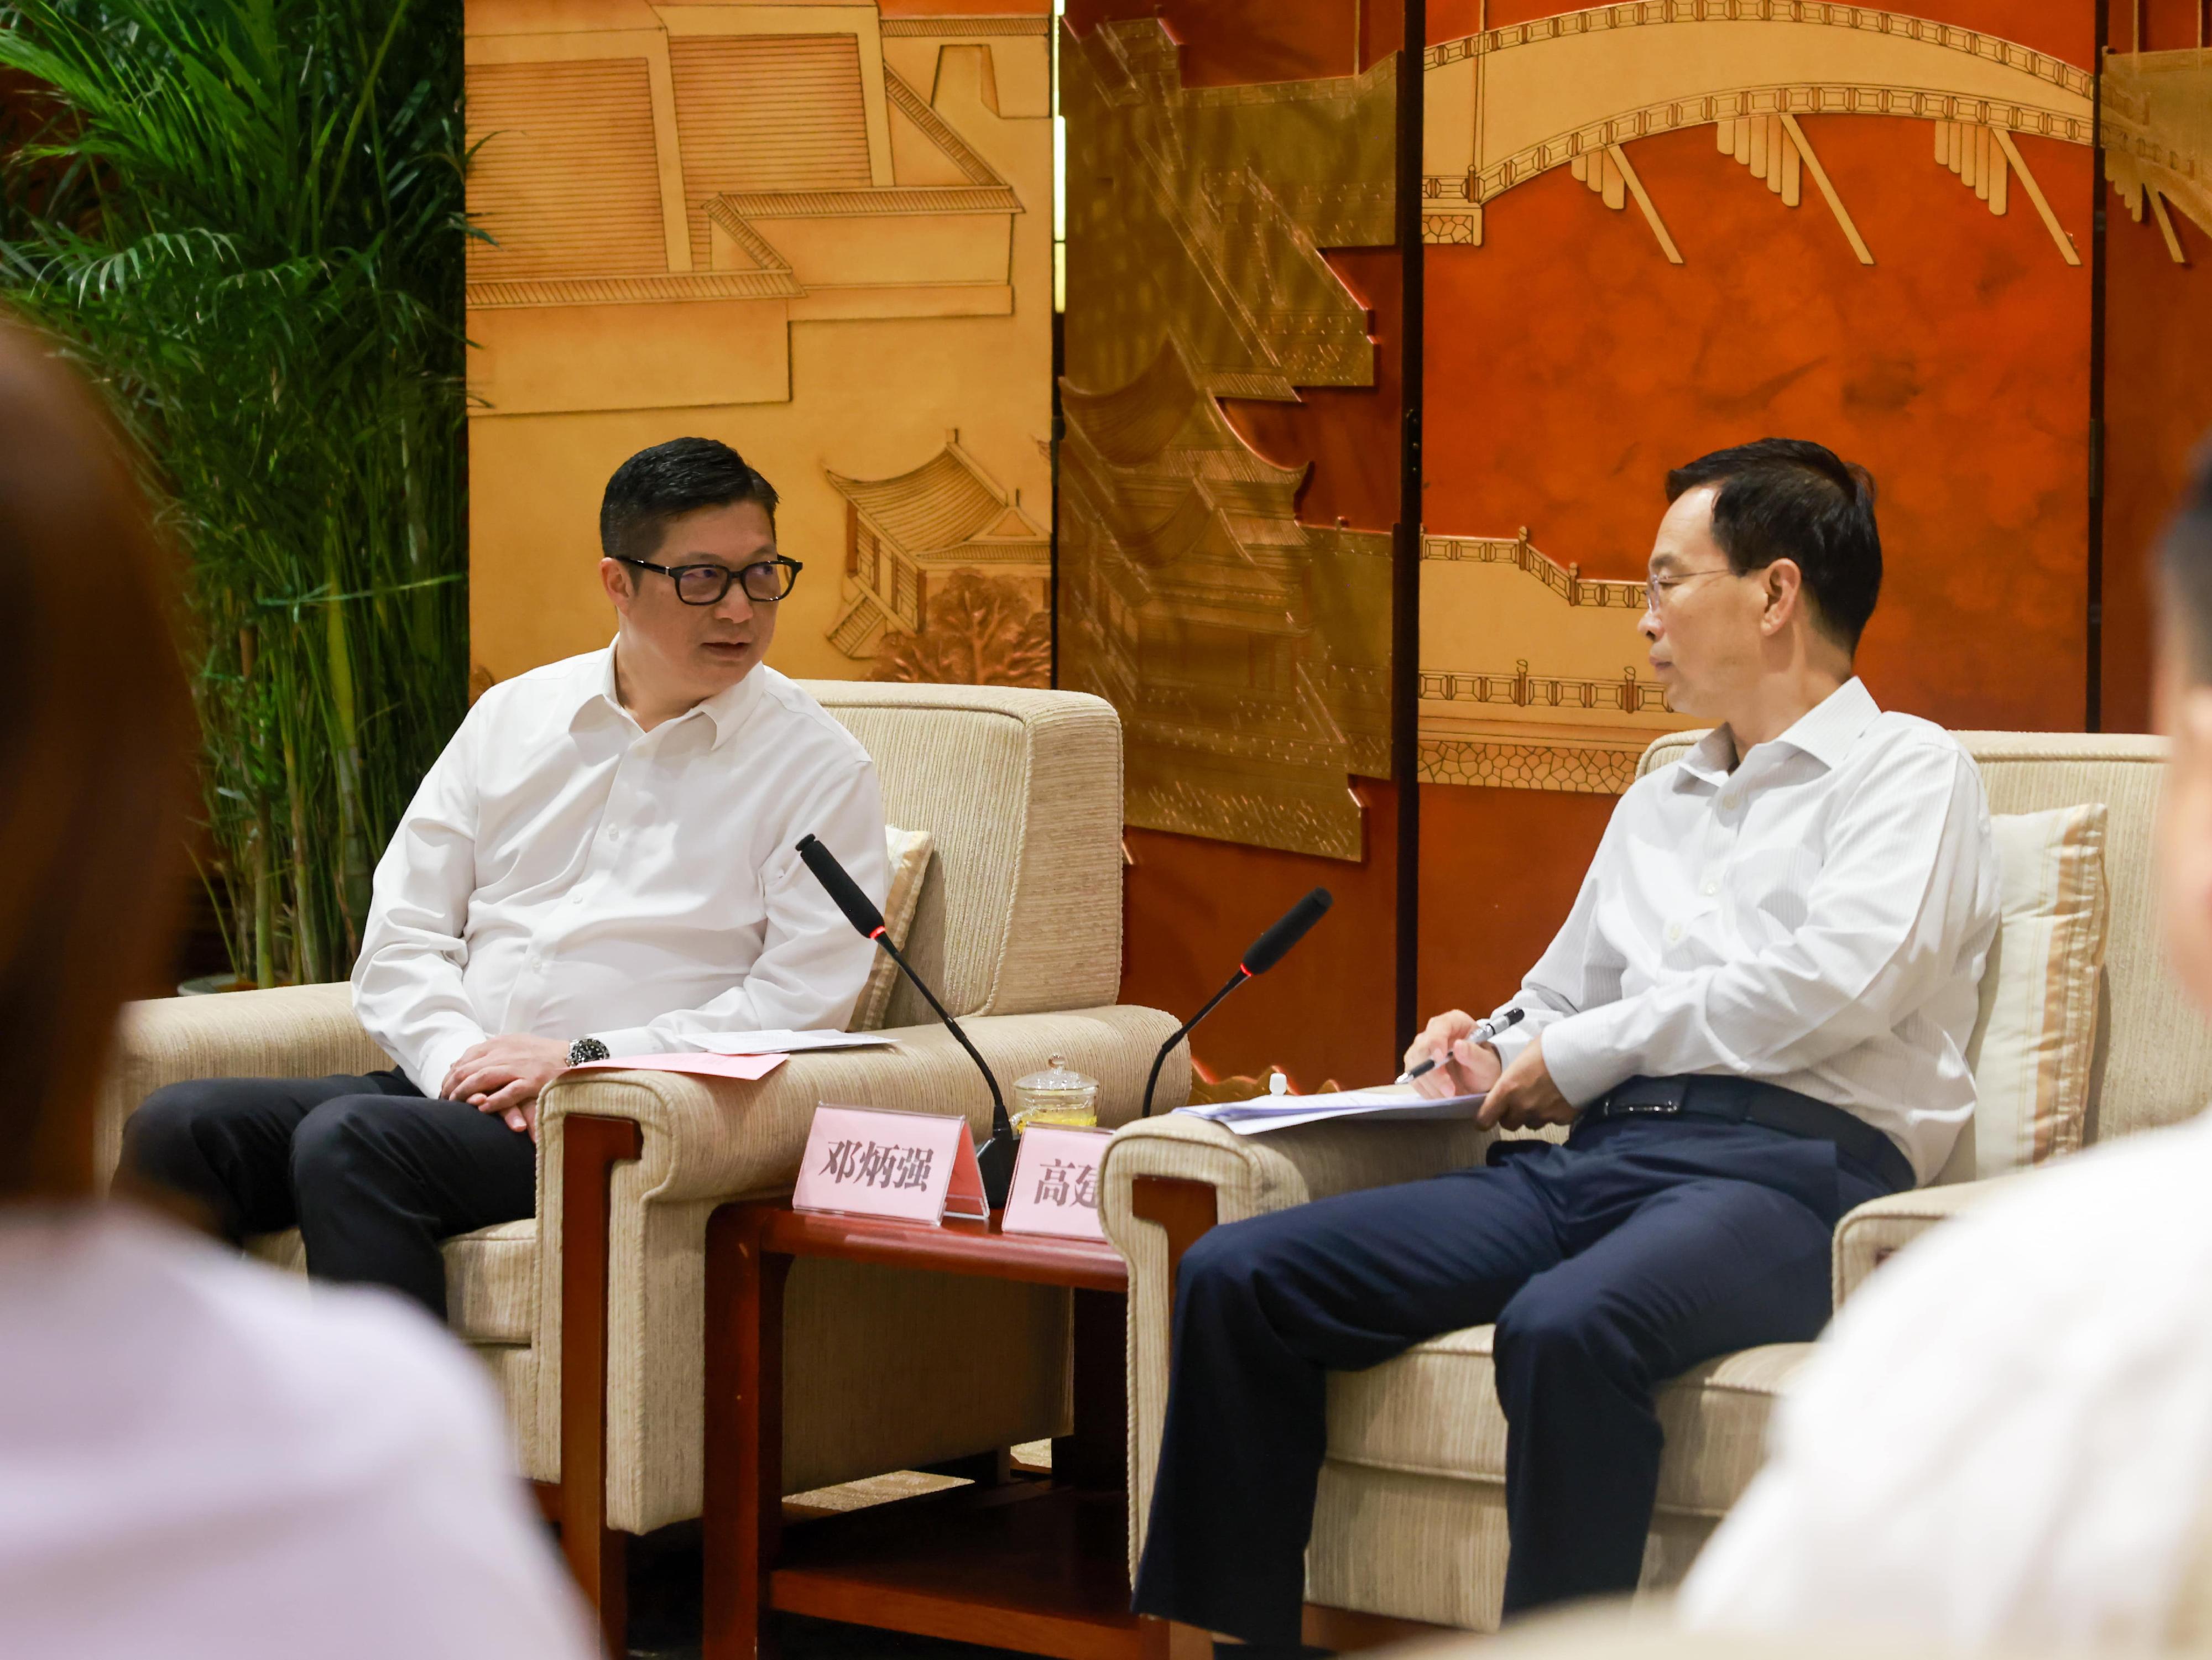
{"points": [[765, 580]]}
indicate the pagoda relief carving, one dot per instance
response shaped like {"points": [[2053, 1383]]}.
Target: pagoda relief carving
{"points": [[1248, 654], [945, 549]]}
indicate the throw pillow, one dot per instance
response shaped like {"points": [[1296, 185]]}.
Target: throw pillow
{"points": [[2037, 1031], [909, 852]]}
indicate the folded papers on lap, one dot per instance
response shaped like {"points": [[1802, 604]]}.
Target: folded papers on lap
{"points": [[1389, 1104]]}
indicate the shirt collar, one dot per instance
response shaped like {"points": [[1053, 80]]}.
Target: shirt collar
{"points": [[726, 710], [1825, 732]]}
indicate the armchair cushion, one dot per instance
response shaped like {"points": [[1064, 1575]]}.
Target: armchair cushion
{"points": [[1433, 1411], [491, 1278], [1869, 1236]]}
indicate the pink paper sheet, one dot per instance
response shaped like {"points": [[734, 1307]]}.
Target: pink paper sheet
{"points": [[746, 1067]]}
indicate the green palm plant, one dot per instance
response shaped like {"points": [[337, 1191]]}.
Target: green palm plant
{"points": [[245, 217]]}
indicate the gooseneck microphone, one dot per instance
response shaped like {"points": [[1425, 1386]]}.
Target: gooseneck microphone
{"points": [[996, 1156], [1267, 950]]}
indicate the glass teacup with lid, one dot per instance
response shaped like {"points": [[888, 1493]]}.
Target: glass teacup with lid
{"points": [[1057, 1094]]}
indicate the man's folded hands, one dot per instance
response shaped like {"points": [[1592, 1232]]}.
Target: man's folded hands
{"points": [[504, 1074]]}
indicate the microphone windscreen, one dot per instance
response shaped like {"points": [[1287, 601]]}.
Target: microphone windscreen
{"points": [[1267, 950], [859, 910]]}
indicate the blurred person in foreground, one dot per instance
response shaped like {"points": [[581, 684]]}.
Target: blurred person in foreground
{"points": [[2007, 1436], [196, 1459]]}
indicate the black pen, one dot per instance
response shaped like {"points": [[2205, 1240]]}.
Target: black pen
{"points": [[1484, 1031]]}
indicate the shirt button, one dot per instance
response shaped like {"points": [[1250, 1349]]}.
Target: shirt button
{"points": [[1674, 934], [1710, 889], [1730, 799]]}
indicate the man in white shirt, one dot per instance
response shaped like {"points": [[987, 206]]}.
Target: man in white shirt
{"points": [[1754, 1019], [2007, 1436], [601, 864]]}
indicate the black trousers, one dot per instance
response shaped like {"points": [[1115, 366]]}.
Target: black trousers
{"points": [[1609, 1265], [372, 1172]]}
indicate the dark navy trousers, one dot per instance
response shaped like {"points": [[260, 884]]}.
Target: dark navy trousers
{"points": [[372, 1174], [1610, 1265]]}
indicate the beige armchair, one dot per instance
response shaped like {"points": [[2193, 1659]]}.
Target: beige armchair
{"points": [[590, 1315], [1411, 1521]]}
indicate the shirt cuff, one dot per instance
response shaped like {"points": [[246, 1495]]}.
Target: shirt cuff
{"points": [[1584, 1055], [631, 1040], [1514, 1038], [438, 1058]]}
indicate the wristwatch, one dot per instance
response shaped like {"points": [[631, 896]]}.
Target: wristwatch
{"points": [[588, 1049]]}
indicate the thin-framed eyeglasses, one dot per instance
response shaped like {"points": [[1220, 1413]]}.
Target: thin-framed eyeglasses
{"points": [[764, 581], [1662, 588]]}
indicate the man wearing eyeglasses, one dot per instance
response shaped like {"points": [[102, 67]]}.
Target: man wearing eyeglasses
{"points": [[1755, 1018], [601, 864]]}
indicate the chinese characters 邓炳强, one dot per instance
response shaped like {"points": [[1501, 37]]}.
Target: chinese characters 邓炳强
{"points": [[874, 1163]]}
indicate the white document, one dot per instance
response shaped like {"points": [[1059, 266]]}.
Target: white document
{"points": [[1390, 1104], [788, 1042]]}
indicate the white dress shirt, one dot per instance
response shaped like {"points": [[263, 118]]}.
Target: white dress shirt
{"points": [[562, 873], [1817, 918], [200, 1459], [2006, 1437]]}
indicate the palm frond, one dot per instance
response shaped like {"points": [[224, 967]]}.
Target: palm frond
{"points": [[248, 226]]}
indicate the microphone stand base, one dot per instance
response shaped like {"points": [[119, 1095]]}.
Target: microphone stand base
{"points": [[995, 1159]]}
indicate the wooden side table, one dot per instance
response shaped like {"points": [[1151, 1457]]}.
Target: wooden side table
{"points": [[1030, 1565]]}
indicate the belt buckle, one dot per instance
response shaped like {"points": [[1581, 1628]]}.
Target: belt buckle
{"points": [[1665, 1102]]}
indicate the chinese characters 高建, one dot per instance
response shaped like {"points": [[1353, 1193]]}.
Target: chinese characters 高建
{"points": [[1065, 1181]]}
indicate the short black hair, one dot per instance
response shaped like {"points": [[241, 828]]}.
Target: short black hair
{"points": [[1786, 498], [668, 481], [2185, 557]]}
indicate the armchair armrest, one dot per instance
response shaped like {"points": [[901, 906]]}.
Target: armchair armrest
{"points": [[707, 1138], [1248, 1174], [1869, 1236], [286, 1031], [704, 1141]]}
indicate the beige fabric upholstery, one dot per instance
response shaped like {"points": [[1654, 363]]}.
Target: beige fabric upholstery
{"points": [[1877, 1231], [1022, 791], [1613, 1633], [1019, 922], [1410, 1520]]}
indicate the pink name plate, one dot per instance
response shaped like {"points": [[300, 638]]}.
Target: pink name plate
{"points": [[914, 1166], [1056, 1183]]}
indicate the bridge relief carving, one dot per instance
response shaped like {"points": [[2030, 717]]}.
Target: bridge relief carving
{"points": [[1507, 105], [1572, 712]]}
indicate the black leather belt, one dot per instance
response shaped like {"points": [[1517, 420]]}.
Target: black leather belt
{"points": [[1745, 1101]]}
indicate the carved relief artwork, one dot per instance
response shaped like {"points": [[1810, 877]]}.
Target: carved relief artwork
{"points": [[1539, 687], [1506, 105], [1248, 654], [1529, 674], [821, 235], [2157, 135]]}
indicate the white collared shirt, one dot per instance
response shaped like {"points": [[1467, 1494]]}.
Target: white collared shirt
{"points": [[1816, 917], [2005, 1437], [562, 873]]}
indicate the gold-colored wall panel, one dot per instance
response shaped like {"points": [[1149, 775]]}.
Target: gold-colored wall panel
{"points": [[820, 236], [1248, 655]]}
